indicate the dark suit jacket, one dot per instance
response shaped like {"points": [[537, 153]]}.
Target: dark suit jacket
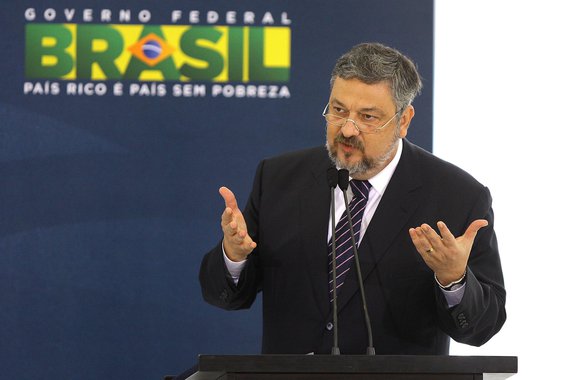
{"points": [[288, 215]]}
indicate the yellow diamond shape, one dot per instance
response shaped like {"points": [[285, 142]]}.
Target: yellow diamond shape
{"points": [[151, 49]]}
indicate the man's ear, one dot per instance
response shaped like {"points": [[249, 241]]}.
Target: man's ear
{"points": [[406, 119]]}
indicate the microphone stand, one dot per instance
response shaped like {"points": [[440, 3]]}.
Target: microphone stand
{"points": [[332, 176], [343, 184]]}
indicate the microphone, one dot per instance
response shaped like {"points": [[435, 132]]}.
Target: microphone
{"points": [[343, 185], [343, 180], [332, 178]]}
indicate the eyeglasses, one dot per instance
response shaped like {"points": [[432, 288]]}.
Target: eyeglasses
{"points": [[335, 120]]}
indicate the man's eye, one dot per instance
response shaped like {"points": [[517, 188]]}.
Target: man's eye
{"points": [[367, 117], [339, 110]]}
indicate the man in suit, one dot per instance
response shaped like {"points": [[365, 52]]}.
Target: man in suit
{"points": [[426, 243]]}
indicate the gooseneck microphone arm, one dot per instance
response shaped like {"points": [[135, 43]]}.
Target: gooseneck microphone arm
{"points": [[343, 185], [332, 178]]}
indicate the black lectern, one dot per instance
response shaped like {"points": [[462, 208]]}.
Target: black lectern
{"points": [[348, 367]]}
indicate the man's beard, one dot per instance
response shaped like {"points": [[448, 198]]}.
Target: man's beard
{"points": [[366, 164]]}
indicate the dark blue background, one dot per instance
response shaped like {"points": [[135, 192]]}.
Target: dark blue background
{"points": [[107, 204]]}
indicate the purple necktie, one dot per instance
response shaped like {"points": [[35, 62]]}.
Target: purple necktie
{"points": [[344, 251]]}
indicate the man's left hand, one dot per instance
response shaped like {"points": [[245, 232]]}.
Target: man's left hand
{"points": [[446, 255]]}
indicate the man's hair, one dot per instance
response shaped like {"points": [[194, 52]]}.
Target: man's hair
{"points": [[373, 63]]}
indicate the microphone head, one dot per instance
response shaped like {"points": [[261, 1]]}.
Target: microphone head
{"points": [[332, 177], [343, 179]]}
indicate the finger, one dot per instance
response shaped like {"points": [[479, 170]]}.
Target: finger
{"points": [[237, 241], [415, 237], [229, 198], [227, 216], [446, 234], [420, 242], [239, 246], [229, 223], [230, 229], [246, 244], [432, 236], [474, 227]]}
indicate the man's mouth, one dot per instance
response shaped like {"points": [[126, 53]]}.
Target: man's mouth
{"points": [[348, 148]]}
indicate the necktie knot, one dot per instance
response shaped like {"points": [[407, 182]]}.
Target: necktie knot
{"points": [[360, 189]]}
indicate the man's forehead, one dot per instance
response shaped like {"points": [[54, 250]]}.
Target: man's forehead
{"points": [[355, 94], [355, 80], [364, 107], [357, 87]]}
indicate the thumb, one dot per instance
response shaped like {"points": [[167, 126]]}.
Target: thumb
{"points": [[229, 198], [474, 227]]}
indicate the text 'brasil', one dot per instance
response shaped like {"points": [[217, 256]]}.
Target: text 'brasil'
{"points": [[158, 52]]}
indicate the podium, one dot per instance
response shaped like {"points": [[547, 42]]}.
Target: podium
{"points": [[389, 367]]}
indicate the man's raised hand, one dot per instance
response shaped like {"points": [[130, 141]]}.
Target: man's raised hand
{"points": [[237, 243], [445, 254]]}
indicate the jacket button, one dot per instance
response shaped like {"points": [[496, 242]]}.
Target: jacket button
{"points": [[330, 326]]}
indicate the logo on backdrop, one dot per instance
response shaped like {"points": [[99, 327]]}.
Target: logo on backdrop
{"points": [[121, 53]]}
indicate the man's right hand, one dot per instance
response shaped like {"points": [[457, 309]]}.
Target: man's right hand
{"points": [[237, 243]]}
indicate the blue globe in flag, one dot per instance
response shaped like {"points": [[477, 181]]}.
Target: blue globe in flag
{"points": [[152, 49]]}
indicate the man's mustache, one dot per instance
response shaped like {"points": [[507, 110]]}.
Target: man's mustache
{"points": [[350, 141]]}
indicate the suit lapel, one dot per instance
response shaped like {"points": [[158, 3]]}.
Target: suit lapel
{"points": [[314, 209], [401, 198]]}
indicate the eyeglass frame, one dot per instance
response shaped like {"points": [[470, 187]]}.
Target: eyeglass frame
{"points": [[346, 120]]}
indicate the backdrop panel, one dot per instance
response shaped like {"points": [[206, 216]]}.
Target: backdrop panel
{"points": [[120, 120]]}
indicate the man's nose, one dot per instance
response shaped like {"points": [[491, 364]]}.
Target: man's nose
{"points": [[349, 128]]}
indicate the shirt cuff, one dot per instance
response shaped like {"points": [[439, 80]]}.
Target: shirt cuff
{"points": [[455, 295], [234, 267]]}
